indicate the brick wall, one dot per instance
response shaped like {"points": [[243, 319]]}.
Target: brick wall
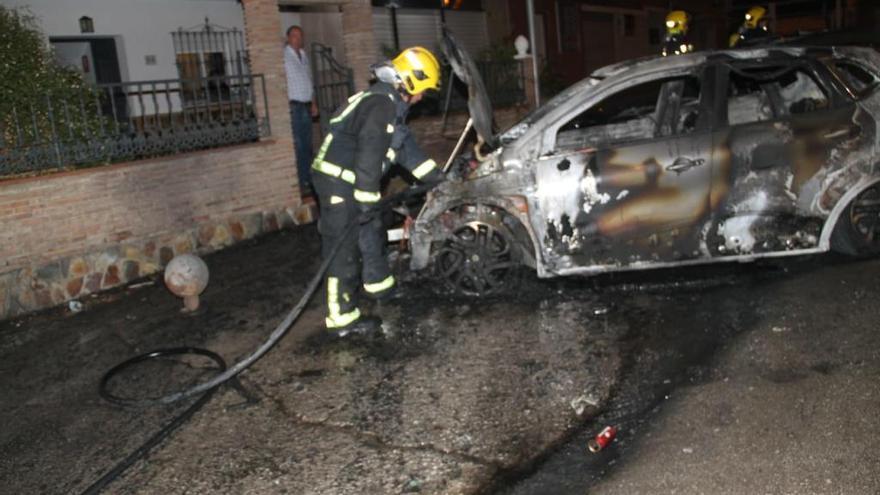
{"points": [[66, 235], [262, 25], [360, 41]]}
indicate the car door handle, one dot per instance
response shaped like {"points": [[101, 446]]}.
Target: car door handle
{"points": [[682, 164]]}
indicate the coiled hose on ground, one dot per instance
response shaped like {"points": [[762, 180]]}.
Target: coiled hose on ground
{"points": [[209, 387]]}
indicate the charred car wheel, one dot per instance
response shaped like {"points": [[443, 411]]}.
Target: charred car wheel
{"points": [[857, 231], [479, 255]]}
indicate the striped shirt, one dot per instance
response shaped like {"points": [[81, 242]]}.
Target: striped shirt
{"points": [[299, 75]]}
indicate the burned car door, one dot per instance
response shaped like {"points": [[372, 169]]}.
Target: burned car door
{"points": [[627, 181], [781, 125]]}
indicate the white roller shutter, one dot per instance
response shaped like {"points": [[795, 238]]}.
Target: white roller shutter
{"points": [[418, 27], [382, 29], [414, 27], [469, 28], [422, 27]]}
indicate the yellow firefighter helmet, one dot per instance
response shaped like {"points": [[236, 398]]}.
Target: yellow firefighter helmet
{"points": [[677, 22], [754, 16], [417, 69]]}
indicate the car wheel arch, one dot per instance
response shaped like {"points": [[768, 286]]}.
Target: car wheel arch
{"points": [[840, 207], [524, 234]]}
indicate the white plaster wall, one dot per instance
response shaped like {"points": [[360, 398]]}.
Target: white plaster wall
{"points": [[141, 27]]}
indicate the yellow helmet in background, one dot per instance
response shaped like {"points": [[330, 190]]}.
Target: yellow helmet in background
{"points": [[754, 16], [417, 69], [677, 22]]}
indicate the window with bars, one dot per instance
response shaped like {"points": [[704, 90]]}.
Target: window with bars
{"points": [[210, 60]]}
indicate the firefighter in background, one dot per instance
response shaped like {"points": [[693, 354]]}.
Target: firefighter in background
{"points": [[754, 28], [366, 136], [676, 40]]}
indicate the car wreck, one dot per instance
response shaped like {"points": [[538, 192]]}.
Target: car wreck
{"points": [[712, 156]]}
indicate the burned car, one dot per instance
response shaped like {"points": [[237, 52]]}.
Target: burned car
{"points": [[714, 156]]}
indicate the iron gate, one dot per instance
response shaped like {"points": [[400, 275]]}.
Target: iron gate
{"points": [[334, 83]]}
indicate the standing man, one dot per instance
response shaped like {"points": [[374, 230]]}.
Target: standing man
{"points": [[300, 93], [367, 135]]}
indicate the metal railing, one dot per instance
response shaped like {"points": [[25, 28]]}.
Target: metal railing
{"points": [[210, 50], [132, 120]]}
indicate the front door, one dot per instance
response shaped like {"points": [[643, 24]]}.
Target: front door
{"points": [[76, 55], [98, 62], [630, 181]]}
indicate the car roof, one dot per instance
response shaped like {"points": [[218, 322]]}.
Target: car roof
{"points": [[659, 62]]}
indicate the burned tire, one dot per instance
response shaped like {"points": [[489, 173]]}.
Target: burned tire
{"points": [[857, 231], [479, 256]]}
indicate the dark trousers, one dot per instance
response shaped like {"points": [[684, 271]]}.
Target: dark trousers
{"points": [[372, 239], [343, 275], [301, 125], [360, 258]]}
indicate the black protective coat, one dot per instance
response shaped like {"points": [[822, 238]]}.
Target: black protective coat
{"points": [[365, 137]]}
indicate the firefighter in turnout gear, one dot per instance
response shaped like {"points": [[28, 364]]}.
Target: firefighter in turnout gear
{"points": [[676, 40], [753, 30], [366, 136]]}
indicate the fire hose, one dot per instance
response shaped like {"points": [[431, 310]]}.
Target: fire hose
{"points": [[206, 389]]}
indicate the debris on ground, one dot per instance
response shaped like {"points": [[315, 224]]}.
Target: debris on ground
{"points": [[580, 404], [605, 437]]}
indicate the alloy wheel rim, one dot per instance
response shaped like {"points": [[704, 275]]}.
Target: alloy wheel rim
{"points": [[475, 259]]}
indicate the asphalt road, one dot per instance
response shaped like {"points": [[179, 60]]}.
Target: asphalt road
{"points": [[756, 378], [767, 382]]}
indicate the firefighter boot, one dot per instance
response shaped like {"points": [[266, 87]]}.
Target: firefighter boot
{"points": [[364, 325]]}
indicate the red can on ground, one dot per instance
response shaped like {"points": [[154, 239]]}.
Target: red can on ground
{"points": [[605, 437]]}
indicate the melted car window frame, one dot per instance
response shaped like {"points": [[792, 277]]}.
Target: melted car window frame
{"points": [[834, 65], [517, 130], [767, 78], [641, 121]]}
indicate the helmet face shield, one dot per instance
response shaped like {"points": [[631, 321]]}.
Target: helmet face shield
{"points": [[421, 77]]}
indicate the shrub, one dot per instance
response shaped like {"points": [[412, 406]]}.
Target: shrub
{"points": [[44, 107]]}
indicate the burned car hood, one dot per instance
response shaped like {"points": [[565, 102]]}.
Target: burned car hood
{"points": [[479, 106]]}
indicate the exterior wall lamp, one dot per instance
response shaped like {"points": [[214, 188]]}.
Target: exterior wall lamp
{"points": [[86, 25]]}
